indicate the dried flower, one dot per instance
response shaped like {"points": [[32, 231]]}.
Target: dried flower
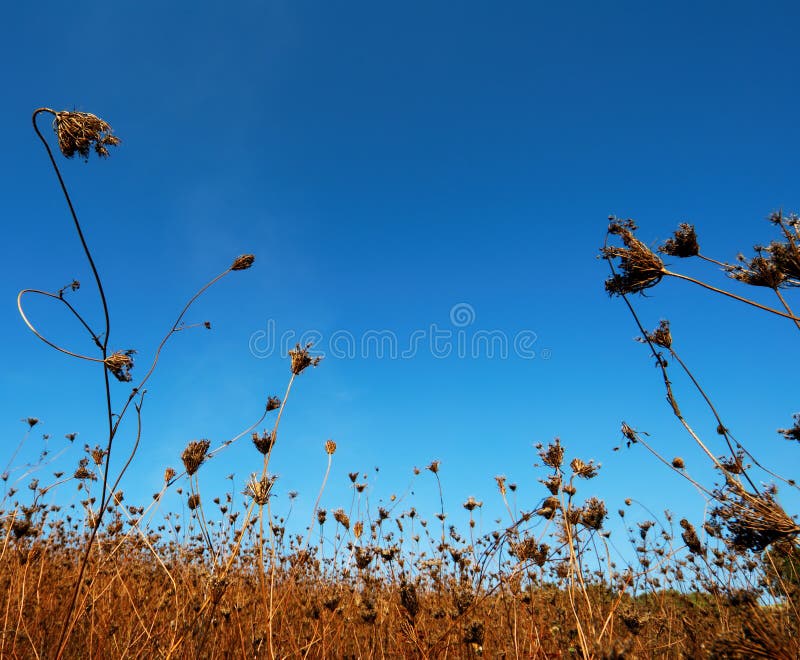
{"points": [[260, 488], [472, 503], [501, 483], [593, 514], [120, 364], [194, 455], [759, 271], [661, 336], [690, 538], [98, 455], [301, 359], [553, 456], [434, 466], [243, 262], [194, 501], [330, 447], [168, 474], [683, 242], [641, 267], [358, 529], [584, 470], [273, 403], [342, 518], [792, 433], [78, 131], [678, 463], [264, 442]]}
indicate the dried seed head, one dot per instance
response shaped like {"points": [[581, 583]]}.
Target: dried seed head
{"points": [[501, 483], [244, 262], [786, 258], [78, 132], [342, 518], [194, 455], [273, 403], [120, 364], [759, 271], [641, 267], [98, 455], [584, 470], [301, 359], [661, 336], [358, 529], [792, 433], [690, 538], [552, 483], [168, 474], [194, 501], [683, 242], [330, 447], [260, 488], [471, 504], [434, 466], [593, 513], [322, 516], [264, 442], [678, 463], [553, 456]]}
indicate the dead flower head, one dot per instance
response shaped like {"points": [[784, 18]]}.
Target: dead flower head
{"points": [[273, 403], [260, 488], [593, 513], [301, 358], [78, 132], [584, 470], [758, 271], [553, 456], [243, 262], [754, 520], [690, 538], [683, 242], [794, 432], [641, 267], [194, 455], [471, 504], [330, 447], [661, 336], [120, 364], [264, 442], [342, 518]]}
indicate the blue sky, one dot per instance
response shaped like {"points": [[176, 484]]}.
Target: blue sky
{"points": [[386, 163]]}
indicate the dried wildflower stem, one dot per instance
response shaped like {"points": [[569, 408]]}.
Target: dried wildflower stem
{"points": [[316, 503], [786, 306], [731, 295], [277, 423], [725, 432], [86, 250], [667, 383], [42, 337]]}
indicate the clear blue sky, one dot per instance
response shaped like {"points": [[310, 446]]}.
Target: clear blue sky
{"points": [[385, 163]]}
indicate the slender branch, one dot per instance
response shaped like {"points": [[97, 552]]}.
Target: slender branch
{"points": [[731, 295]]}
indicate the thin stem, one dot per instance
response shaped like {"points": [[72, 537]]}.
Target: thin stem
{"points": [[86, 250], [43, 338], [786, 306], [731, 295]]}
